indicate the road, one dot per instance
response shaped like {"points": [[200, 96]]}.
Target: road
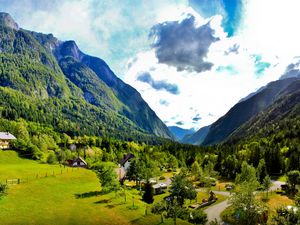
{"points": [[215, 211]]}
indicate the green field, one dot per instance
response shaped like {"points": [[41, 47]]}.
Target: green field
{"points": [[68, 197]]}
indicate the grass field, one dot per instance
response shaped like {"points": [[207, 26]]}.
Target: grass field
{"points": [[67, 198]]}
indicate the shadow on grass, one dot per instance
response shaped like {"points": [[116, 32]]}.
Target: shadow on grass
{"points": [[144, 219], [104, 201], [114, 205], [88, 194]]}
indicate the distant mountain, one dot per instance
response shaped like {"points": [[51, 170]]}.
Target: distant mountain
{"points": [[179, 132], [244, 111], [196, 138], [279, 121], [45, 80], [292, 70]]}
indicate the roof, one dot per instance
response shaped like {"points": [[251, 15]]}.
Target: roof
{"points": [[160, 185], [7, 136], [81, 159], [126, 158]]}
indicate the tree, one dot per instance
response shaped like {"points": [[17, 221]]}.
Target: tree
{"points": [[247, 208], [293, 179], [148, 194], [159, 208], [261, 170], [182, 188], [3, 190], [196, 170], [266, 184], [247, 175], [198, 216], [108, 178], [286, 216]]}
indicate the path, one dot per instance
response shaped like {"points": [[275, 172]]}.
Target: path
{"points": [[214, 211]]}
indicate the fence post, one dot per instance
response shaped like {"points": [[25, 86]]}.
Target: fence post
{"points": [[18, 180]]}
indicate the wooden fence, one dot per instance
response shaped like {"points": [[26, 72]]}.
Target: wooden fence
{"points": [[45, 174]]}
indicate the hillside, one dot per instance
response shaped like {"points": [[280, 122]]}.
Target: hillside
{"points": [[52, 82], [196, 138], [280, 120], [244, 111]]}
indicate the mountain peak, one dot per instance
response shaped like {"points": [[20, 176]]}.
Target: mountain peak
{"points": [[70, 48], [7, 21]]}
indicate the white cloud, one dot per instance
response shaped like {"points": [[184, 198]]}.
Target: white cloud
{"points": [[208, 94]]}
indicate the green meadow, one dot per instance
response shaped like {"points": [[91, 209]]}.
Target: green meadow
{"points": [[67, 197]]}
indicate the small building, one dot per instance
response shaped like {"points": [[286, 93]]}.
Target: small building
{"points": [[5, 139], [124, 166], [159, 188], [125, 162], [78, 162]]}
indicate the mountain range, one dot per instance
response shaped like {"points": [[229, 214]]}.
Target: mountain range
{"points": [[179, 133], [244, 116], [45, 80]]}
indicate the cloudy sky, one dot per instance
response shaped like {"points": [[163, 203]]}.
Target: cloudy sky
{"points": [[190, 59]]}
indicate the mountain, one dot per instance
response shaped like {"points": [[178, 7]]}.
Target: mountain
{"points": [[45, 80], [244, 111], [196, 138], [179, 132], [279, 121]]}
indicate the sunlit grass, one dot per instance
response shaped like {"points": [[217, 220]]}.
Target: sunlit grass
{"points": [[67, 198]]}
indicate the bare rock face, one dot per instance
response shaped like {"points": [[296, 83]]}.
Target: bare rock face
{"points": [[7, 21]]}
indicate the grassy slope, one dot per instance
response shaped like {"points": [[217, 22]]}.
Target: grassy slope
{"points": [[52, 199]]}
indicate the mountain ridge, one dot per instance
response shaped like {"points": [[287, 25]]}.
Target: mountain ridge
{"points": [[42, 67]]}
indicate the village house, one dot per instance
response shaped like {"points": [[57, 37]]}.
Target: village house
{"points": [[5, 139], [124, 165], [78, 162]]}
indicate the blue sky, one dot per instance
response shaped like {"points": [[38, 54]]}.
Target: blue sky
{"points": [[188, 58]]}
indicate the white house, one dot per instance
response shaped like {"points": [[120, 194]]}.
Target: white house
{"points": [[125, 162], [78, 162], [5, 139], [124, 165]]}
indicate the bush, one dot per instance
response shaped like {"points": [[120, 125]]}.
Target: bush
{"points": [[161, 178], [198, 217], [51, 159], [3, 190]]}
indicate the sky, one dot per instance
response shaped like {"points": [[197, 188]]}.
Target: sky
{"points": [[191, 60]]}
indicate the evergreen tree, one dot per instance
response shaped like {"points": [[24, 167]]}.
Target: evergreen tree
{"points": [[148, 194]]}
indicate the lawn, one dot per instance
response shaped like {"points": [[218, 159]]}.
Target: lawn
{"points": [[68, 197]]}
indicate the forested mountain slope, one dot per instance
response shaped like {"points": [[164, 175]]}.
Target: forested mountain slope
{"points": [[49, 81]]}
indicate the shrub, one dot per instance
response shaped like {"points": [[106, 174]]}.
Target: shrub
{"points": [[3, 190]]}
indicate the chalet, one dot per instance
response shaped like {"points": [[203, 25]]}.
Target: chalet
{"points": [[125, 162], [78, 162], [124, 165], [5, 139]]}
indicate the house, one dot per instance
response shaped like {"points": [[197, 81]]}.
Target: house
{"points": [[124, 165], [5, 139], [125, 162], [78, 162]]}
